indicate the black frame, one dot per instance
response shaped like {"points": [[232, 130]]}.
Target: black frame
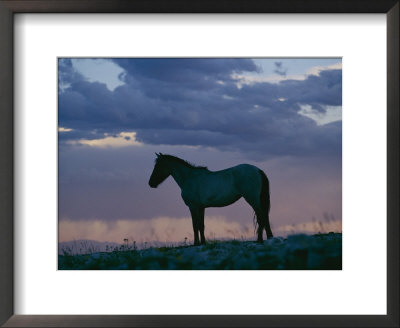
{"points": [[7, 10]]}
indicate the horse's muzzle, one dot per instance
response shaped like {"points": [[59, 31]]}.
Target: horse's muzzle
{"points": [[152, 185]]}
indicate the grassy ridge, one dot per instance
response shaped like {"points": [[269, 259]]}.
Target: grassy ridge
{"points": [[297, 252]]}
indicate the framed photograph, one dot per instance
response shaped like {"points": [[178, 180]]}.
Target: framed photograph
{"points": [[274, 126]]}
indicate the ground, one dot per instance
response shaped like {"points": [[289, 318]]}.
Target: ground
{"points": [[297, 252]]}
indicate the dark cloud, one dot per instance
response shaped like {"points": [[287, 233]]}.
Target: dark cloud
{"points": [[325, 89], [188, 72], [279, 69], [66, 72], [198, 102]]}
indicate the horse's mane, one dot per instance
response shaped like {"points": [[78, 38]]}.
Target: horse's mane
{"points": [[181, 161]]}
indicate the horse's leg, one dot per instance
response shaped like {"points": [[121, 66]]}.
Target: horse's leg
{"points": [[268, 228], [260, 203], [263, 223], [201, 225], [260, 228], [255, 204], [195, 221]]}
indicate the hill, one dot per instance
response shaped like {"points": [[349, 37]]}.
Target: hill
{"points": [[297, 252]]}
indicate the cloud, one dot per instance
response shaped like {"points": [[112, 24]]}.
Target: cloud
{"points": [[175, 230], [332, 114], [243, 79], [67, 74], [196, 102], [310, 227], [162, 229], [279, 69], [186, 72], [123, 139], [62, 129], [316, 70]]}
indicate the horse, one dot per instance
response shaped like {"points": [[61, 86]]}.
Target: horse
{"points": [[202, 188]]}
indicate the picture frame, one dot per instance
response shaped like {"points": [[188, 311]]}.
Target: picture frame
{"points": [[8, 8]]}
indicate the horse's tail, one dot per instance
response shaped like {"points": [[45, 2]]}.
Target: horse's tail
{"points": [[264, 194], [265, 202]]}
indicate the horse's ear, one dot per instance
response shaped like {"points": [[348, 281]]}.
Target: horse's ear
{"points": [[157, 154]]}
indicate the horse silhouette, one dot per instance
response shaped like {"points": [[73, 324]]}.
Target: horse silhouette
{"points": [[201, 188]]}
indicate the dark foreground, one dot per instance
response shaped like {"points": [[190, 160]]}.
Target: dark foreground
{"points": [[297, 252]]}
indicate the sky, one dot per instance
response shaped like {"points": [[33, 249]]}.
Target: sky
{"points": [[280, 114]]}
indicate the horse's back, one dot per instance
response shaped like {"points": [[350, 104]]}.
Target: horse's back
{"points": [[222, 188], [211, 188], [246, 171], [241, 173], [247, 178]]}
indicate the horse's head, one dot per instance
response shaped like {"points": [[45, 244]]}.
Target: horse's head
{"points": [[160, 172]]}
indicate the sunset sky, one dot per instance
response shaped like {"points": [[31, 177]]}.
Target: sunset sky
{"points": [[282, 115]]}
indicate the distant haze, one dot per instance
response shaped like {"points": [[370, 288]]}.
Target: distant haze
{"points": [[283, 116]]}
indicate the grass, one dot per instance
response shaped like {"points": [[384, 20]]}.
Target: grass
{"points": [[297, 252]]}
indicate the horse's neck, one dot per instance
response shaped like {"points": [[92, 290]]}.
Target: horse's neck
{"points": [[181, 173]]}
